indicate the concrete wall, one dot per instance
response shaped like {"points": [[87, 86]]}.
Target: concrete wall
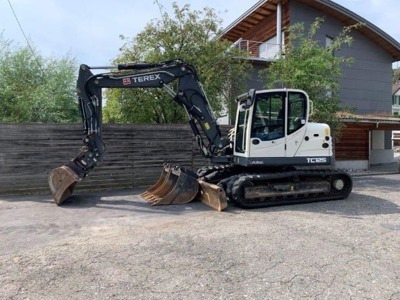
{"points": [[381, 147], [352, 164]]}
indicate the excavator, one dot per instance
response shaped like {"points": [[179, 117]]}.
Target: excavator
{"points": [[273, 156]]}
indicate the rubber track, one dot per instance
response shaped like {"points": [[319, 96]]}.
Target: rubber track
{"points": [[236, 184]]}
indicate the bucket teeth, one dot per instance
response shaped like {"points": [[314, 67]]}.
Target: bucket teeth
{"points": [[62, 181], [175, 186], [164, 173]]}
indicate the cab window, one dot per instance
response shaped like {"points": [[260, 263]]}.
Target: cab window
{"points": [[240, 142], [269, 116], [297, 109]]}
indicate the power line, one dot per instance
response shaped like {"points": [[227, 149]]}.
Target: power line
{"points": [[26, 39]]}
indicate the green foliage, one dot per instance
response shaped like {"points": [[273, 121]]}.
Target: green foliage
{"points": [[34, 88], [187, 35], [308, 66]]}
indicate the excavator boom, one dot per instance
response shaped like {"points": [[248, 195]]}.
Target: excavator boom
{"points": [[176, 185]]}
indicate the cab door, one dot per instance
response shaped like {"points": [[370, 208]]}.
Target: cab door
{"points": [[267, 135], [296, 120]]}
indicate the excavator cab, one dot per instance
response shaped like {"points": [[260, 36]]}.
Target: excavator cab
{"points": [[272, 129]]}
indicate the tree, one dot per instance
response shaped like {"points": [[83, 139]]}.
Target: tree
{"points": [[308, 66], [191, 36], [34, 88]]}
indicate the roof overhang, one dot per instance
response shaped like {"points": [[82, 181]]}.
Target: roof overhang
{"points": [[373, 122], [258, 12], [265, 8]]}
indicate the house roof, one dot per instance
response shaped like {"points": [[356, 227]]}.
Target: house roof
{"points": [[265, 8], [395, 87], [373, 121]]}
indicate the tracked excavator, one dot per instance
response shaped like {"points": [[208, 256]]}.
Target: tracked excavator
{"points": [[273, 155]]}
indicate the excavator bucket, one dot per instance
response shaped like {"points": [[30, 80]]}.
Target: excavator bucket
{"points": [[160, 181], [175, 186], [62, 181], [212, 195]]}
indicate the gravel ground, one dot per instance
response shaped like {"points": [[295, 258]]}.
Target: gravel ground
{"points": [[113, 245]]}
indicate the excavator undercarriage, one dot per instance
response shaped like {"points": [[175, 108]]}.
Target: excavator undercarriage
{"points": [[256, 188], [220, 184]]}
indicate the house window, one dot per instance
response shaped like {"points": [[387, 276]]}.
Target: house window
{"points": [[328, 41], [396, 100]]}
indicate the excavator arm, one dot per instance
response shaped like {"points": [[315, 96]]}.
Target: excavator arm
{"points": [[189, 94]]}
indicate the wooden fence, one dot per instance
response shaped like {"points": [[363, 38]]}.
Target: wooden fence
{"points": [[134, 154]]}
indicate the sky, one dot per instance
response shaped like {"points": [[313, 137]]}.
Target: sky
{"points": [[89, 30]]}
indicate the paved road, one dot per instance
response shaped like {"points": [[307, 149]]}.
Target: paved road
{"points": [[112, 245]]}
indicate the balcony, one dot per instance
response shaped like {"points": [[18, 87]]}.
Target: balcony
{"points": [[264, 51]]}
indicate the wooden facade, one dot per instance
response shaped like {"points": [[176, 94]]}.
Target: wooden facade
{"points": [[134, 154], [353, 143], [266, 29], [355, 140]]}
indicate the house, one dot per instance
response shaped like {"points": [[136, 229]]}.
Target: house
{"points": [[396, 110], [365, 84], [396, 98]]}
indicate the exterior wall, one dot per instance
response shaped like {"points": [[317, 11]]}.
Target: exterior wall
{"points": [[352, 164], [382, 157], [381, 147], [367, 83], [254, 81]]}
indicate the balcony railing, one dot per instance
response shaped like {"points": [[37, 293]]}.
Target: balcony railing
{"points": [[259, 50]]}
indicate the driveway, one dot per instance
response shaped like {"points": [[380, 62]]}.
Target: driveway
{"points": [[113, 245]]}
